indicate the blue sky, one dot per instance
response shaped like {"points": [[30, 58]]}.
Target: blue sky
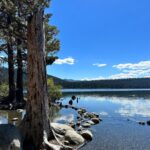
{"points": [[102, 38]]}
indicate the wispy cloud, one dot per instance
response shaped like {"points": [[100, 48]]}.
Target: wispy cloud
{"points": [[132, 70], [68, 60], [100, 65], [127, 70], [142, 65]]}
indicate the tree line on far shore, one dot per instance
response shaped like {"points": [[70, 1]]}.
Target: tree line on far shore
{"points": [[116, 83]]}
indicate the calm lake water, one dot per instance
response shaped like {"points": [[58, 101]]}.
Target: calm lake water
{"points": [[120, 112], [115, 132]]}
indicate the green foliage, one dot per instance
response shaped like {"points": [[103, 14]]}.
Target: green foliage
{"points": [[54, 91], [3, 89]]}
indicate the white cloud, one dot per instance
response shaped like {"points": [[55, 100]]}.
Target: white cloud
{"points": [[132, 70], [126, 70], [142, 65], [68, 60], [100, 65]]}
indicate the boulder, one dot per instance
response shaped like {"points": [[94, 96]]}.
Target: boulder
{"points": [[87, 135], [66, 143], [95, 120], [72, 125], [78, 123], [15, 145], [95, 114], [60, 128], [80, 128], [10, 137], [86, 125], [81, 111], [90, 122], [73, 137], [90, 115]]}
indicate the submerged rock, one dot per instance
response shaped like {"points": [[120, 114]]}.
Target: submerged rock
{"points": [[141, 123], [73, 137], [87, 135], [66, 106], [148, 122]]}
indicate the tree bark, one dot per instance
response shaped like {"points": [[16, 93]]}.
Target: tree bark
{"points": [[11, 74], [19, 80], [36, 122]]}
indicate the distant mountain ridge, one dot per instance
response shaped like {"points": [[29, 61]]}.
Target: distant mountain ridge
{"points": [[72, 84]]}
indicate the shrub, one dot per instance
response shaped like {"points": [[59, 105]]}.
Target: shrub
{"points": [[4, 89], [54, 91]]}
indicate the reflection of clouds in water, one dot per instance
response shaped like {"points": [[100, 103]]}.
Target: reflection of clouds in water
{"points": [[130, 106], [3, 119], [66, 118], [103, 113], [107, 98]]}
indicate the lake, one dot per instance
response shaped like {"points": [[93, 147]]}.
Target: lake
{"points": [[120, 112]]}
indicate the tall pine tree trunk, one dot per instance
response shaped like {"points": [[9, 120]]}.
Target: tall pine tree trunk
{"points": [[36, 122], [11, 74], [19, 83]]}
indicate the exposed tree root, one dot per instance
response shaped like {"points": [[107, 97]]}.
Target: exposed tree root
{"points": [[60, 145]]}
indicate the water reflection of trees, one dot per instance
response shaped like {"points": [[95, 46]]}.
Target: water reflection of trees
{"points": [[125, 94], [54, 113]]}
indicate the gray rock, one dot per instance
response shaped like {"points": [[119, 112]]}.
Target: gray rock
{"points": [[73, 137], [10, 137], [72, 125], [87, 135], [80, 128], [95, 120], [86, 125], [60, 128], [90, 122], [78, 123], [81, 111], [66, 143], [15, 145]]}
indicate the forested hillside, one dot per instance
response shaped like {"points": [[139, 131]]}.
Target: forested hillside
{"points": [[118, 83]]}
